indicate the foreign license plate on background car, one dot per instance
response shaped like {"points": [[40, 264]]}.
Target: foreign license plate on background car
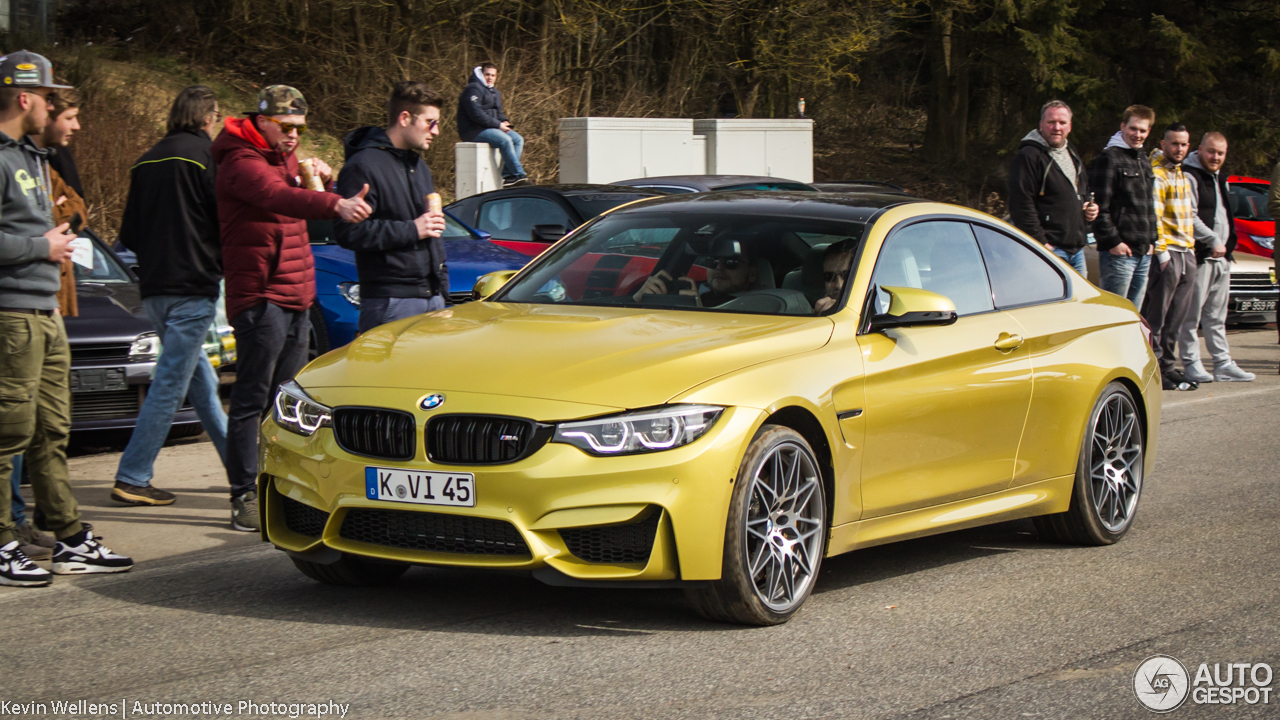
{"points": [[1257, 305], [420, 488]]}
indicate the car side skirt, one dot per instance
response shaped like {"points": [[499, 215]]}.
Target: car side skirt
{"points": [[1043, 498]]}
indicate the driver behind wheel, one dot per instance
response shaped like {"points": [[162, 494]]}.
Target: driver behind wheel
{"points": [[726, 277]]}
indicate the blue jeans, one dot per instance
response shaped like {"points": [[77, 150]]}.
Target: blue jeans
{"points": [[375, 311], [183, 369], [1124, 276], [19, 506], [1075, 260], [510, 144]]}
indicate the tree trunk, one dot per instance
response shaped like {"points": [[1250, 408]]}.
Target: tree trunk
{"points": [[946, 133]]}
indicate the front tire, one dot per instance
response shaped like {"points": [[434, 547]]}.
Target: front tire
{"points": [[352, 571], [775, 535], [1109, 475]]}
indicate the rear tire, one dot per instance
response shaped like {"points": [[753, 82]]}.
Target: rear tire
{"points": [[775, 535], [1109, 475], [352, 571]]}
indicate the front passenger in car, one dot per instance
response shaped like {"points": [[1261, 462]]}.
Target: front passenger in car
{"points": [[835, 268]]}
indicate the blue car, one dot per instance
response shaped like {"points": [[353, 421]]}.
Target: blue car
{"points": [[337, 309]]}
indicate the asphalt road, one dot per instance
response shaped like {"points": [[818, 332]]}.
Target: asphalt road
{"points": [[987, 623]]}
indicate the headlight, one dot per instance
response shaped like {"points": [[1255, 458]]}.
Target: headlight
{"points": [[1266, 242], [145, 349], [296, 411], [640, 431], [350, 291]]}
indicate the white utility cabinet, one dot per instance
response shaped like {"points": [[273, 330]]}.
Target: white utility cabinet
{"points": [[773, 148], [604, 150], [477, 169]]}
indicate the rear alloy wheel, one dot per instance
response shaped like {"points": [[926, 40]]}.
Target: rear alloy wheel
{"points": [[1108, 476], [352, 571], [775, 535]]}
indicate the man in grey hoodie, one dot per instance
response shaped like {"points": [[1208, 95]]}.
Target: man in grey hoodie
{"points": [[1215, 239], [35, 360]]}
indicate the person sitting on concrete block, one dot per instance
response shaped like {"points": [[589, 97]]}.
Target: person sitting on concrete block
{"points": [[482, 119]]}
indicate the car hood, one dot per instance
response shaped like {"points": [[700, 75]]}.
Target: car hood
{"points": [[617, 357], [107, 314]]}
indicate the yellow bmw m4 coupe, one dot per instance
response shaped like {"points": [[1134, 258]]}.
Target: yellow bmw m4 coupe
{"points": [[715, 392]]}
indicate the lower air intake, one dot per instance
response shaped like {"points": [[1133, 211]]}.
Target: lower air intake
{"points": [[433, 532], [631, 543], [302, 518]]}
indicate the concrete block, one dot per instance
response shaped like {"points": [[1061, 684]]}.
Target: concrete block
{"points": [[477, 169]]}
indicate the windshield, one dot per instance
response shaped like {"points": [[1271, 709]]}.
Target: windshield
{"points": [[758, 264], [1249, 202], [106, 269], [590, 205]]}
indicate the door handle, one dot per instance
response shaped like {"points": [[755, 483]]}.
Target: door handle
{"points": [[1007, 342]]}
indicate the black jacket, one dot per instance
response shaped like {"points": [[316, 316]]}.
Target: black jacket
{"points": [[390, 259], [479, 108], [64, 163], [1042, 202], [1207, 189], [171, 217], [1122, 180]]}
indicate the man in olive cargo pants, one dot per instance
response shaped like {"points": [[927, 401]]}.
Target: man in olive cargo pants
{"points": [[35, 360]]}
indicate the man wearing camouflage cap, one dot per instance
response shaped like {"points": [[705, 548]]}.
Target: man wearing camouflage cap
{"points": [[35, 360], [270, 275]]}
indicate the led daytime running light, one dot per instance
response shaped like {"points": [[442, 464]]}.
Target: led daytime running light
{"points": [[297, 412], [642, 431]]}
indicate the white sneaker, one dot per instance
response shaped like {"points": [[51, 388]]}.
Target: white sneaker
{"points": [[89, 556], [1196, 372], [17, 569], [1231, 372]]}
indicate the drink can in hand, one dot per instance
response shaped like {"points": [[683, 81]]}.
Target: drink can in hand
{"points": [[310, 179], [435, 205]]}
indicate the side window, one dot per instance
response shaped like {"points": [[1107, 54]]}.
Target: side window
{"points": [[940, 256], [513, 218], [1019, 276]]}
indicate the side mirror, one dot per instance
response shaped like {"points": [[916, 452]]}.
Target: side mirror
{"points": [[549, 233], [487, 285], [911, 307]]}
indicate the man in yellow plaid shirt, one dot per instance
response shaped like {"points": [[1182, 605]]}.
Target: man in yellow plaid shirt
{"points": [[1172, 288]]}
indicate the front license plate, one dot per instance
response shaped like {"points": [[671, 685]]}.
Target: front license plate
{"points": [[420, 488], [1257, 305]]}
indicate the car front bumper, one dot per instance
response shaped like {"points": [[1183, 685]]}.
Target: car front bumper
{"points": [[683, 494]]}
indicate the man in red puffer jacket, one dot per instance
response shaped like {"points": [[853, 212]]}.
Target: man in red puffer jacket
{"points": [[270, 275]]}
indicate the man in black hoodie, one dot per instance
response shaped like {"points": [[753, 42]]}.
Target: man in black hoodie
{"points": [[482, 119], [1122, 178], [1049, 195], [171, 222], [400, 258]]}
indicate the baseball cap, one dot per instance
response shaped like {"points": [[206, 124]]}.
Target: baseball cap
{"points": [[24, 69], [281, 100]]}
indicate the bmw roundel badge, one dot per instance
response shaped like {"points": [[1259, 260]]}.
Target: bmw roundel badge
{"points": [[431, 402]]}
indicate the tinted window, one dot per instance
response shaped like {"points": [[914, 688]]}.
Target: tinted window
{"points": [[938, 256], [592, 204], [513, 218], [1249, 202], [1019, 276], [453, 230], [722, 263]]}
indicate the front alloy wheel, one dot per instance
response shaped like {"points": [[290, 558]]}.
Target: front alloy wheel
{"points": [[1108, 476], [775, 536]]}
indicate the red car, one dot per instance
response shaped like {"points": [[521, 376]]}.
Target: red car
{"points": [[1255, 228]]}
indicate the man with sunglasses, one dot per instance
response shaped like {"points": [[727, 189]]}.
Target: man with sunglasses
{"points": [[270, 274], [35, 359], [400, 258], [726, 277]]}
